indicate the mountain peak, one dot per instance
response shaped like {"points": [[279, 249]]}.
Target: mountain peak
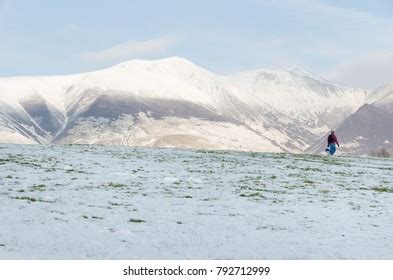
{"points": [[169, 60], [381, 95], [174, 59], [293, 68], [285, 74]]}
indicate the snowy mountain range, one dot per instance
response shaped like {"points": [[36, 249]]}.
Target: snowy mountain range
{"points": [[174, 103]]}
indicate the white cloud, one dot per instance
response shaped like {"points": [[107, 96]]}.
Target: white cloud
{"points": [[370, 72], [129, 50]]}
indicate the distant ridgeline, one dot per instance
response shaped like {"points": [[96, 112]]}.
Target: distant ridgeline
{"points": [[174, 103]]}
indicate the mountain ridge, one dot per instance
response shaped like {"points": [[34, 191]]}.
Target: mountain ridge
{"points": [[141, 102]]}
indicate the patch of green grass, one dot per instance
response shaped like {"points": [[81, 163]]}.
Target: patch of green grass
{"points": [[19, 159], [116, 185], [291, 187], [138, 221], [30, 199], [256, 194], [209, 199], [383, 189], [311, 169], [291, 167], [386, 168], [253, 194], [206, 151], [50, 170], [39, 188], [258, 190], [114, 204], [275, 191], [346, 174]]}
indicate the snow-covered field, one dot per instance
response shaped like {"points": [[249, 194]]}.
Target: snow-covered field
{"points": [[93, 202]]}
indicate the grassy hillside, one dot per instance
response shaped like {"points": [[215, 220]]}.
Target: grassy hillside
{"points": [[89, 202]]}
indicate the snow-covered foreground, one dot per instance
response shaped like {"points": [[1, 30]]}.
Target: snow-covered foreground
{"points": [[91, 202]]}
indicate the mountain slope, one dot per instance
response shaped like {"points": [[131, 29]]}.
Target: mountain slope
{"points": [[370, 128], [301, 106], [174, 103]]}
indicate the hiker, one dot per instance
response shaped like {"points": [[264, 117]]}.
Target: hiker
{"points": [[332, 142]]}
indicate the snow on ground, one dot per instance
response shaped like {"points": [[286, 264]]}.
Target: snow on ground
{"points": [[93, 202]]}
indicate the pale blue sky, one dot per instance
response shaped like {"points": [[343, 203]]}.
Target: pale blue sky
{"points": [[347, 41]]}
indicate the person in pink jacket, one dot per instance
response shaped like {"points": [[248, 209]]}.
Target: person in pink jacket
{"points": [[332, 142]]}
